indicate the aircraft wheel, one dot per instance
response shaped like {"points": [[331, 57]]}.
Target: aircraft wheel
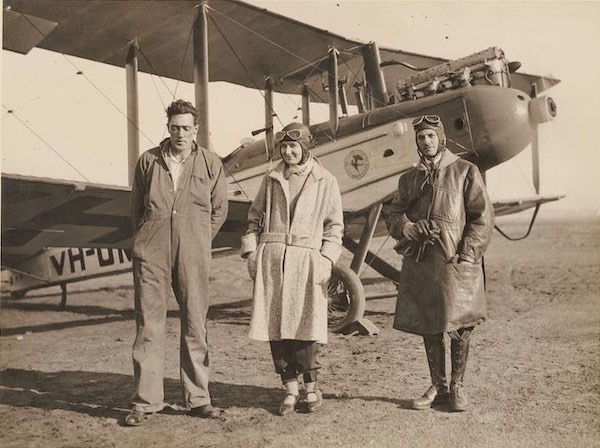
{"points": [[345, 298]]}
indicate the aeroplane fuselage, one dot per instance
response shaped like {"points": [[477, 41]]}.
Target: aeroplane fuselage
{"points": [[486, 125]]}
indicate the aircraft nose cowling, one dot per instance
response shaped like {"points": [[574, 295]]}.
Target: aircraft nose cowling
{"points": [[504, 122]]}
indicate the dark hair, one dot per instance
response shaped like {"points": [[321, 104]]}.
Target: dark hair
{"points": [[181, 107]]}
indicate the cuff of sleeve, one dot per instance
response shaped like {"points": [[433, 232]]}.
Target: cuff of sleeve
{"points": [[331, 250], [398, 229], [136, 222], [466, 257], [249, 243]]}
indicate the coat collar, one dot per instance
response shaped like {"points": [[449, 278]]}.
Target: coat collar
{"points": [[316, 171], [447, 158], [164, 147], [200, 168]]}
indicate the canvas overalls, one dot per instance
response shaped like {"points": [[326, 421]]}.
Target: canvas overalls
{"points": [[172, 250]]}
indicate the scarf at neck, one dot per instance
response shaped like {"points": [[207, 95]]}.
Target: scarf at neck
{"points": [[299, 169]]}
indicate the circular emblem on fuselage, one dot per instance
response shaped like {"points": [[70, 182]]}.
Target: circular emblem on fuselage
{"points": [[356, 164]]}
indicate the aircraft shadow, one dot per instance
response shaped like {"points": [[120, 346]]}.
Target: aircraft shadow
{"points": [[226, 313], [107, 395]]}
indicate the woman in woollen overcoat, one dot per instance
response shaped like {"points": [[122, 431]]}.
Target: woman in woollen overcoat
{"points": [[294, 237]]}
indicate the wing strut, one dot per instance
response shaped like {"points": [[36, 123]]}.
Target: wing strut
{"points": [[201, 73], [332, 82], [133, 119], [305, 105], [269, 113]]}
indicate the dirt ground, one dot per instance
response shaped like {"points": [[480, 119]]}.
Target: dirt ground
{"points": [[533, 375]]}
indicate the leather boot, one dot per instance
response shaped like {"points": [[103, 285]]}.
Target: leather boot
{"points": [[459, 352], [436, 358]]}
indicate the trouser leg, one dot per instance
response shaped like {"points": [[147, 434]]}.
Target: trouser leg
{"points": [[306, 353], [283, 359], [292, 358], [459, 353], [152, 286], [191, 290]]}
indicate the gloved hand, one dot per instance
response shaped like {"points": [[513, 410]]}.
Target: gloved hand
{"points": [[421, 230], [251, 265]]}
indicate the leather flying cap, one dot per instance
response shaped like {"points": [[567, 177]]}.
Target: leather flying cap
{"points": [[433, 122]]}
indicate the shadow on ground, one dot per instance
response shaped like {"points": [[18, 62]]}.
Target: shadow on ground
{"points": [[106, 394], [228, 313]]}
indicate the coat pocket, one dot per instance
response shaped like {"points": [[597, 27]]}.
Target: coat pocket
{"points": [[143, 235], [447, 205], [324, 269], [462, 290], [200, 191]]}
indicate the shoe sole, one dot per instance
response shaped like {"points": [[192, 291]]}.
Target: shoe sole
{"points": [[139, 423]]}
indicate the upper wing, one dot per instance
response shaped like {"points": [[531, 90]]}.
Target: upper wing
{"points": [[38, 213], [246, 43]]}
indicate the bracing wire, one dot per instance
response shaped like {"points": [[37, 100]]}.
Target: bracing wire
{"points": [[24, 123], [256, 86], [99, 90], [266, 39], [185, 51]]}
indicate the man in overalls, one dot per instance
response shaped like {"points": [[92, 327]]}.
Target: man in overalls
{"points": [[178, 204]]}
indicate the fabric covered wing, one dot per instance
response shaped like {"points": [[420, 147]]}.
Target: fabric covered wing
{"points": [[38, 213], [246, 43]]}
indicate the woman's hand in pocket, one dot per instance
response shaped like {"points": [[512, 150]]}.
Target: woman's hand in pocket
{"points": [[251, 265], [325, 271]]}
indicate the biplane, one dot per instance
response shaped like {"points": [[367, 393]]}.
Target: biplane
{"points": [[490, 111]]}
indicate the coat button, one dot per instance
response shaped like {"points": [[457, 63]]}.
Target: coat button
{"points": [[174, 212]]}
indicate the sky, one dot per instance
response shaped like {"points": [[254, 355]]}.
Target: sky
{"points": [[80, 129]]}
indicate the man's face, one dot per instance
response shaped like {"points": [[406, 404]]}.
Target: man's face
{"points": [[291, 152], [182, 130], [428, 142]]}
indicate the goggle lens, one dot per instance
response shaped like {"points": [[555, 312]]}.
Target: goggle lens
{"points": [[431, 119], [293, 134]]}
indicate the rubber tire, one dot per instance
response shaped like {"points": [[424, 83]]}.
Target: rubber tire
{"points": [[355, 292]]}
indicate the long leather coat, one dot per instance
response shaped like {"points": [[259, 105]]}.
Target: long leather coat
{"points": [[436, 294], [293, 257]]}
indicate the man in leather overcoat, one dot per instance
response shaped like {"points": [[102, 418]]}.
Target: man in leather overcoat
{"points": [[443, 219]]}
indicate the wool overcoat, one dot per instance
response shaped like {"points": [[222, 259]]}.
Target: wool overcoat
{"points": [[293, 256], [436, 294]]}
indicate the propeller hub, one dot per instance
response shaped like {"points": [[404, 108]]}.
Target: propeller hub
{"points": [[542, 109]]}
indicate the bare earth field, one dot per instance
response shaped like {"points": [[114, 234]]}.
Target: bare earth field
{"points": [[533, 376]]}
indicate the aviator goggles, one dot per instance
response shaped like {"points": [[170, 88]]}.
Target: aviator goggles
{"points": [[431, 119], [293, 134]]}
